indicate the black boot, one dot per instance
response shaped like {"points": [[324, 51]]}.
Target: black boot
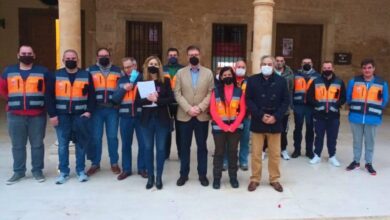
{"points": [[234, 182], [150, 182], [217, 183], [159, 183]]}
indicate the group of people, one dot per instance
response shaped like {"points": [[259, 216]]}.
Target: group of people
{"points": [[81, 103]]}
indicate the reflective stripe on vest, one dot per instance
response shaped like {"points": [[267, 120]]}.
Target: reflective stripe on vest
{"points": [[229, 113], [300, 88], [367, 100], [71, 98], [326, 98], [104, 86], [25, 94], [128, 101]]}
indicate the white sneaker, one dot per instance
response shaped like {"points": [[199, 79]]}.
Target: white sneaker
{"points": [[263, 155], [316, 159], [334, 161], [285, 155]]}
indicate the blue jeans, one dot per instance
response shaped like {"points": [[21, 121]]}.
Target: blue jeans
{"points": [[368, 132], [244, 144], [200, 128], [303, 113], [155, 130], [109, 117], [331, 128], [128, 125], [64, 135], [21, 128]]}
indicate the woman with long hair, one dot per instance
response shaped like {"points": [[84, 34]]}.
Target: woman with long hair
{"points": [[155, 118]]}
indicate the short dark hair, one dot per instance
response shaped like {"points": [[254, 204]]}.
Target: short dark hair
{"points": [[102, 48], [367, 61], [25, 45], [173, 49], [193, 47]]}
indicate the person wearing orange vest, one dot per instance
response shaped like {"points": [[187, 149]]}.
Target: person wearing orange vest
{"points": [[105, 77], [326, 94], [23, 86], [227, 109], [70, 98], [171, 69], [129, 118], [367, 97], [241, 78], [302, 111]]}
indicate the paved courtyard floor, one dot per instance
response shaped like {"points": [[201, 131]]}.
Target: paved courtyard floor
{"points": [[310, 191]]}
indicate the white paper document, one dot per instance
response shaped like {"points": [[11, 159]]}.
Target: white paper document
{"points": [[145, 88]]}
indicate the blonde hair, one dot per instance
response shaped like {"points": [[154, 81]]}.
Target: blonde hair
{"points": [[147, 76]]}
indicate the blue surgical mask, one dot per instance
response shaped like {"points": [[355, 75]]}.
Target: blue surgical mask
{"points": [[133, 75]]}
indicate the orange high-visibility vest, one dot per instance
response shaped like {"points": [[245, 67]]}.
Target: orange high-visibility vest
{"points": [[326, 98], [367, 100], [71, 98], [26, 94], [228, 113], [104, 86]]}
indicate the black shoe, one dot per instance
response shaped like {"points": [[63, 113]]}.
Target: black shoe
{"points": [[217, 183], [296, 154], [182, 180], [203, 181], [244, 167], [310, 155], [234, 182], [353, 166], [370, 169], [159, 184], [150, 182]]}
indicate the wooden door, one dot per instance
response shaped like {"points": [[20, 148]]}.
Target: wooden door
{"points": [[37, 28], [298, 41]]}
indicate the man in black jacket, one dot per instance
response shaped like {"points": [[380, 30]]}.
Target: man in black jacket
{"points": [[326, 95], [267, 100]]}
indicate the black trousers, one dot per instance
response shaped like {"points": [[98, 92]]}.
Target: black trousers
{"points": [[229, 141], [174, 126]]}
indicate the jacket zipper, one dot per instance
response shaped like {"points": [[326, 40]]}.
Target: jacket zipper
{"points": [[24, 94], [70, 101]]}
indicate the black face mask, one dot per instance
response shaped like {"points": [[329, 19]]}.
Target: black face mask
{"points": [[194, 61], [327, 72], [104, 61], [172, 60], [26, 59], [306, 67], [227, 80], [153, 70], [70, 64]]}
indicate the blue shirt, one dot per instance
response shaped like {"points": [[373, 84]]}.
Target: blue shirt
{"points": [[194, 76], [358, 118]]}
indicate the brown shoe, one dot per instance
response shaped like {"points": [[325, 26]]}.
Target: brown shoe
{"points": [[252, 186], [92, 170], [123, 175], [115, 169], [277, 186], [143, 173]]}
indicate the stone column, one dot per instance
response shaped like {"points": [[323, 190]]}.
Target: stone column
{"points": [[70, 26], [262, 31]]}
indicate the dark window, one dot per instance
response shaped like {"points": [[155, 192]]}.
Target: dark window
{"points": [[229, 44], [144, 39]]}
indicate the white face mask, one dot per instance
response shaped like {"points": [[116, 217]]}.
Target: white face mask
{"points": [[266, 70], [240, 72], [217, 76]]}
